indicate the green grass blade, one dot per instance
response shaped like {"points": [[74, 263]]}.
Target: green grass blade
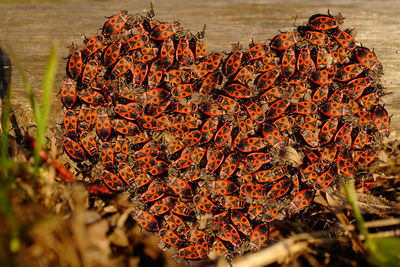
{"points": [[5, 162], [5, 114], [352, 198], [40, 115], [48, 84], [26, 81], [28, 87], [384, 251]]}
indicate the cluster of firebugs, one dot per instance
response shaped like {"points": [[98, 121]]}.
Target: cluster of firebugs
{"points": [[190, 132]]}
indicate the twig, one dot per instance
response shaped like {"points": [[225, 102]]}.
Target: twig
{"points": [[389, 233]]}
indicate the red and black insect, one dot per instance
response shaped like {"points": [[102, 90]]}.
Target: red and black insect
{"points": [[323, 22], [244, 74], [344, 38], [272, 135], [320, 77], [204, 204], [122, 66], [93, 45], [345, 166], [112, 181], [270, 214], [349, 72], [321, 60], [200, 50], [199, 70], [364, 158], [278, 108], [279, 189], [304, 108], [367, 59], [257, 51], [170, 238], [214, 61], [129, 177], [107, 155], [271, 175], [183, 51], [153, 193], [75, 64], [174, 222], [228, 232], [284, 123], [115, 24], [162, 206], [90, 71], [223, 187], [267, 64], [255, 209], [343, 136], [228, 104], [89, 143], [208, 129], [328, 130], [139, 72], [103, 124], [362, 139], [192, 138], [190, 252], [219, 247], [137, 41], [317, 38], [163, 31], [259, 236], [68, 93], [333, 109], [232, 63], [301, 200], [111, 53], [125, 127], [288, 62], [182, 209], [146, 220], [180, 187], [70, 122], [241, 222], [324, 180], [215, 157], [167, 53], [238, 90], [62, 171], [339, 53], [211, 81], [304, 60], [267, 79], [284, 41], [229, 166], [232, 202], [253, 190], [252, 144], [381, 120]]}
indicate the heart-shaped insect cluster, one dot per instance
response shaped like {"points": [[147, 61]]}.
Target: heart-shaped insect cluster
{"points": [[189, 133]]}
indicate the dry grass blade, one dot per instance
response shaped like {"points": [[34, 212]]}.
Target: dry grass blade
{"points": [[368, 204], [281, 251]]}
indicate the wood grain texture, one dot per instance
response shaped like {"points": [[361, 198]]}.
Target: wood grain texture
{"points": [[30, 28]]}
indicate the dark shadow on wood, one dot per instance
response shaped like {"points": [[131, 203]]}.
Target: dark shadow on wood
{"points": [[5, 73]]}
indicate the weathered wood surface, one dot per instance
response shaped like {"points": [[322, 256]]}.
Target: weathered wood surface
{"points": [[30, 28]]}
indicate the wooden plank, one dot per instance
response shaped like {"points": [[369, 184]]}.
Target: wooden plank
{"points": [[30, 28]]}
